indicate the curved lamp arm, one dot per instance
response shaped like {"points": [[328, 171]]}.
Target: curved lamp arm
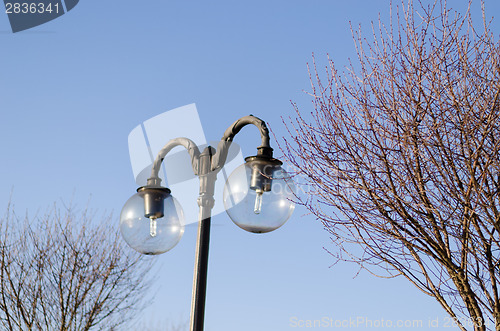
{"points": [[188, 144], [239, 124], [219, 159]]}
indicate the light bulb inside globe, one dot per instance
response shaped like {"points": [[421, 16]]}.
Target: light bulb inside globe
{"points": [[257, 208], [152, 221], [152, 226], [258, 195]]}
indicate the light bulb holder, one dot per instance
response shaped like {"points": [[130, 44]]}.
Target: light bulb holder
{"points": [[154, 197], [262, 169]]}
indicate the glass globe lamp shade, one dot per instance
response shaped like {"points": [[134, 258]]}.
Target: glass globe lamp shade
{"points": [[152, 221], [258, 195]]}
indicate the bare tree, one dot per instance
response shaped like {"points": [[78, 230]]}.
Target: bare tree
{"points": [[402, 157], [68, 271]]}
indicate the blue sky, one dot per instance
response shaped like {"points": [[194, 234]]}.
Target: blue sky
{"points": [[71, 91]]}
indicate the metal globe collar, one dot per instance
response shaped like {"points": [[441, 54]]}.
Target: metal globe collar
{"points": [[263, 159], [149, 188]]}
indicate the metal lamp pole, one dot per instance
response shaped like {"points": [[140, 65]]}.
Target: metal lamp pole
{"points": [[206, 203]]}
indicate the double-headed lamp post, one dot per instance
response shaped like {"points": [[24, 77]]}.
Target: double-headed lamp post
{"points": [[257, 196]]}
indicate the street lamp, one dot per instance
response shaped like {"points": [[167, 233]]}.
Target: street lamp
{"points": [[257, 197]]}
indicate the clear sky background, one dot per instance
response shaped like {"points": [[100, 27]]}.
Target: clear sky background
{"points": [[71, 91]]}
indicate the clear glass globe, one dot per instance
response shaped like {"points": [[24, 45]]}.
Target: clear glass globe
{"points": [[258, 195], [153, 235]]}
